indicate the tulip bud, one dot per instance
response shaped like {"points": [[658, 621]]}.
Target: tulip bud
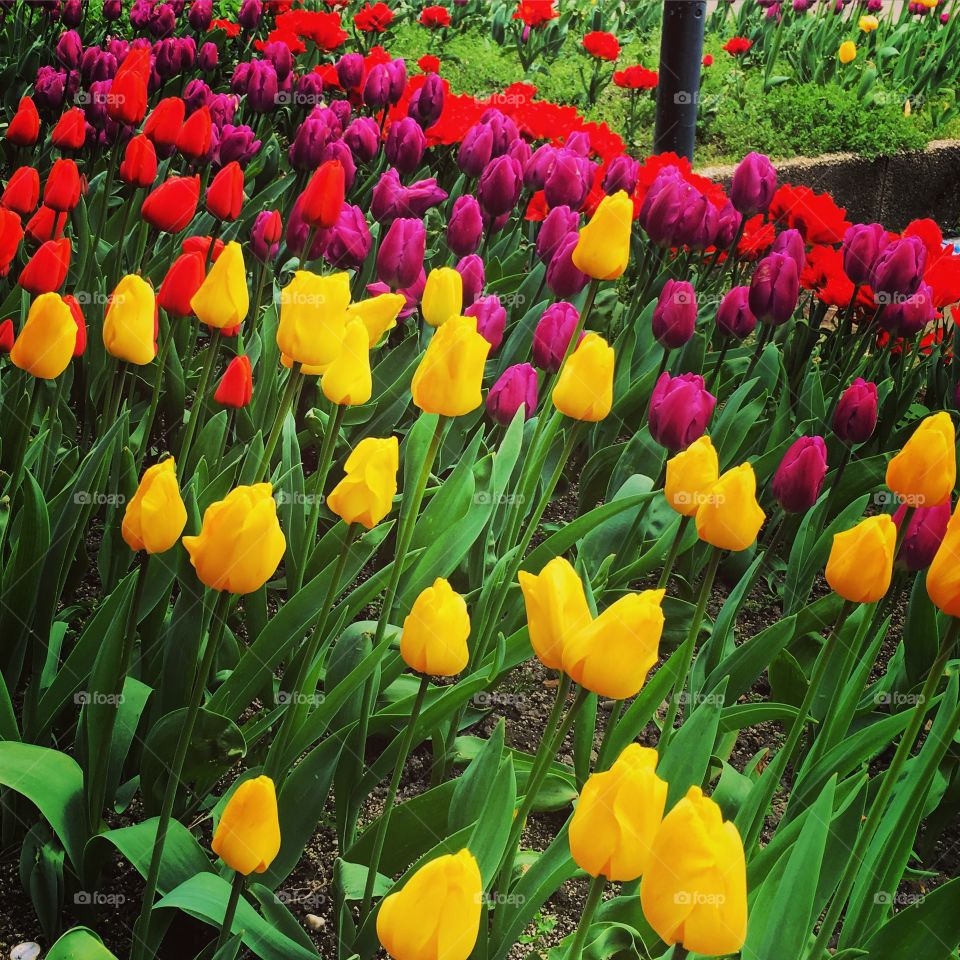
{"points": [[556, 608], [376, 88], [313, 317], [450, 375], [164, 123], [363, 139], [70, 133], [623, 173], [22, 192], [193, 139], [584, 389], [405, 145], [247, 837], [265, 235], [729, 518], [401, 252], [612, 654], [172, 205], [680, 409], [491, 319], [80, 345], [182, 281], [862, 245], [799, 478], [734, 318], [347, 380], [925, 531], [559, 222], [603, 249], [675, 315], [225, 193], [11, 233], [45, 345], [563, 277], [855, 417], [426, 104], [442, 296], [139, 165], [127, 103], [516, 387], [500, 184], [924, 472], [473, 277], [568, 180], [791, 243], [661, 207], [208, 57], [754, 184], [898, 269], [774, 289], [861, 560], [322, 201], [476, 150], [223, 299], [435, 632], [24, 126], [943, 577], [129, 327], [155, 516], [552, 335], [365, 494], [262, 86], [47, 269], [62, 189], [347, 243], [350, 70], [465, 229], [690, 475], [236, 386], [6, 336]]}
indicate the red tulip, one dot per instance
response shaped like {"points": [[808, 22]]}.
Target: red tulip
{"points": [[22, 191], [322, 201], [193, 140], [71, 301], [11, 233], [70, 133], [172, 205], [201, 245], [62, 189], [182, 281], [42, 225], [164, 123], [225, 193], [24, 127], [127, 99], [236, 386], [139, 165], [46, 270], [6, 336]]}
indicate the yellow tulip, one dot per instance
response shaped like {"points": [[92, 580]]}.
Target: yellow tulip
{"points": [[617, 816], [379, 314], [603, 250], [442, 296], [435, 632], [129, 327], [729, 516], [347, 380], [248, 834], [45, 345], [924, 472], [943, 577], [556, 608], [155, 516], [450, 375], [240, 543], [613, 654], [861, 560], [365, 495], [694, 890], [223, 300], [584, 389], [847, 52], [436, 916], [313, 315], [690, 474], [868, 23]]}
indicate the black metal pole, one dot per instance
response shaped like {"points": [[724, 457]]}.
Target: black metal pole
{"points": [[681, 54]]}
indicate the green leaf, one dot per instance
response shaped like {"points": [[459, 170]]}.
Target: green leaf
{"points": [[928, 928], [80, 943]]}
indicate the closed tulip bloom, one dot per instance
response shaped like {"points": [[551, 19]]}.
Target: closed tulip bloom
{"points": [[473, 275], [62, 189], [943, 577], [774, 289], [436, 916], [193, 138], [41, 226], [80, 345], [22, 192], [694, 890], [6, 336], [236, 385], [734, 317], [661, 207], [225, 193], [247, 837], [129, 327], [861, 560], [450, 375], [405, 144], [172, 205], [313, 317], [855, 417], [164, 123], [11, 233], [729, 517], [926, 528], [265, 235], [563, 277], [516, 387], [603, 249], [442, 296], [465, 229], [847, 52], [680, 409], [45, 345], [322, 201], [617, 816], [435, 632], [584, 389], [675, 315], [181, 283], [862, 245], [362, 136], [799, 478], [378, 314], [476, 150], [557, 224], [690, 475], [754, 184], [791, 243], [240, 543], [898, 269], [552, 335], [155, 516], [223, 299], [906, 317], [70, 133], [924, 472], [24, 126], [127, 103], [556, 607], [491, 319], [347, 380], [401, 252], [365, 494], [139, 164], [612, 655], [623, 173], [47, 269], [500, 184]]}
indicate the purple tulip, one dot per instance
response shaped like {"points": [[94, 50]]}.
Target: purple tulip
{"points": [[311, 137], [754, 184], [391, 199], [310, 90], [563, 278], [476, 150], [855, 417], [799, 478], [898, 269], [623, 173], [397, 72], [774, 289], [208, 57], [49, 89], [516, 387], [925, 531], [791, 243], [222, 107], [234, 143], [502, 127], [297, 232], [734, 318], [521, 152], [250, 13], [376, 90], [906, 318], [675, 315], [112, 9], [70, 49], [680, 409], [500, 184], [362, 136], [280, 56], [412, 295], [426, 104], [661, 207], [263, 249], [465, 229], [97, 64], [862, 245], [350, 70], [262, 86], [491, 319], [200, 15], [240, 78], [338, 150], [537, 168], [140, 14], [568, 180], [400, 257], [346, 245], [728, 226], [555, 226], [405, 144], [473, 275], [163, 20], [552, 335]]}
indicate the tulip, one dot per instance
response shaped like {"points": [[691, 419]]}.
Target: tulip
{"points": [[6, 336], [559, 222], [603, 249], [552, 335], [400, 257], [754, 184], [41, 226], [734, 318], [855, 416], [556, 608], [155, 516], [11, 233], [500, 184], [265, 235], [465, 229], [50, 88], [236, 386], [225, 193], [862, 245], [516, 387], [365, 494], [347, 380], [391, 199], [193, 138], [698, 222], [729, 518], [861, 560], [435, 632], [24, 126], [164, 123], [363, 139], [127, 102], [690, 475], [139, 164], [311, 137], [223, 300], [680, 409], [47, 269], [436, 916], [62, 189], [80, 345], [182, 281], [584, 389], [694, 890], [675, 315], [376, 88], [45, 345], [623, 173], [442, 296], [847, 52], [476, 150], [22, 192], [924, 472], [247, 837], [231, 143], [208, 57], [378, 314], [322, 200], [129, 327], [612, 654], [774, 289], [240, 543], [473, 277], [70, 133], [350, 70], [262, 86], [661, 207], [799, 478], [491, 319], [907, 317], [172, 205], [563, 277], [898, 269], [426, 104], [346, 245], [405, 145], [450, 375], [926, 528], [943, 577], [397, 72], [617, 816], [313, 317]]}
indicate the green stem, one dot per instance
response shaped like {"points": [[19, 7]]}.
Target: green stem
{"points": [[672, 553], [235, 892], [201, 395], [320, 479], [384, 822], [52, 413], [166, 339], [612, 720], [594, 896], [294, 383]]}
